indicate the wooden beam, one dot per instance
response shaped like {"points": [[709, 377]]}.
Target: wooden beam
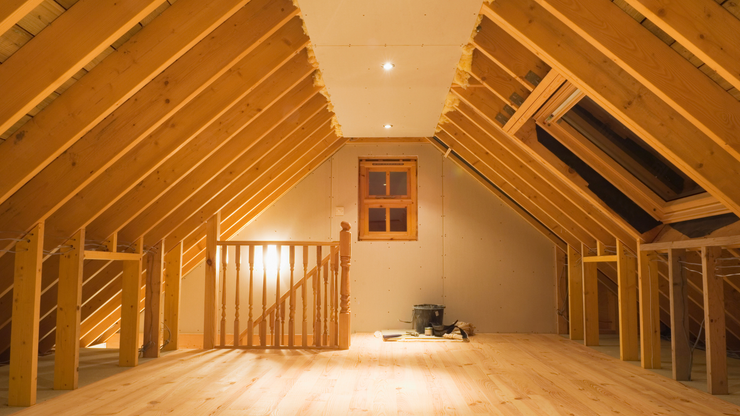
{"points": [[693, 243], [124, 72], [649, 310], [128, 355], [210, 318], [106, 255], [561, 291], [243, 126], [714, 321], [69, 305], [590, 302], [629, 346], [679, 310], [76, 37], [600, 259], [541, 93], [505, 198], [153, 306], [148, 109], [497, 80], [172, 289], [11, 11], [575, 293], [703, 27], [656, 65], [24, 339], [619, 93], [357, 140], [181, 135]]}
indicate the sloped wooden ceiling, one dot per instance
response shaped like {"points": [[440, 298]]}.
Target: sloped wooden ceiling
{"points": [[142, 118]]}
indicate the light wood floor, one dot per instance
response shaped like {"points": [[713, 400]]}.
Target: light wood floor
{"points": [[492, 375]]}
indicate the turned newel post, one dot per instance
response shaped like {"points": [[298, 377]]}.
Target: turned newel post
{"points": [[345, 253]]}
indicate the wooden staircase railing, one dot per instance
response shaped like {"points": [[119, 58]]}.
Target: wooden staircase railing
{"points": [[328, 279]]}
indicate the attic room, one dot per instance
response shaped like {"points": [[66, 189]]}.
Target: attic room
{"points": [[506, 207]]}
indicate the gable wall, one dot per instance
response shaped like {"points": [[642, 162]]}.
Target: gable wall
{"points": [[474, 254]]}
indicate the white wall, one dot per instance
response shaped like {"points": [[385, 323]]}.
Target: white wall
{"points": [[474, 254]]}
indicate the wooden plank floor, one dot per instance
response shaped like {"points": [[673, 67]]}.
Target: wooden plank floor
{"points": [[494, 374]]}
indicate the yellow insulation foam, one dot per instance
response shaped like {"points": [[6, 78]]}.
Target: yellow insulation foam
{"points": [[318, 81]]}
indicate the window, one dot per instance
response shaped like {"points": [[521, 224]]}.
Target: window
{"points": [[388, 199]]}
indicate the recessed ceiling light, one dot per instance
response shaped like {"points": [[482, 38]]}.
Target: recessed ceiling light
{"points": [[388, 66], [388, 126]]}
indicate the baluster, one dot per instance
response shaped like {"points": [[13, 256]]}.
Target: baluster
{"points": [[238, 262], [282, 323], [225, 261], [272, 324], [278, 335], [263, 324], [326, 302], [304, 295], [250, 322], [291, 315], [317, 300], [334, 298], [345, 253]]}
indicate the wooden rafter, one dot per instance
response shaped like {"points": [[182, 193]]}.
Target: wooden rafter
{"points": [[618, 92], [11, 11], [125, 71]]}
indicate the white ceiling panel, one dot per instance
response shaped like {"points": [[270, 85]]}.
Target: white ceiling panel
{"points": [[422, 38]]}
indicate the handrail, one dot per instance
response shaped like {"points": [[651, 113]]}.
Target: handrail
{"points": [[278, 243]]}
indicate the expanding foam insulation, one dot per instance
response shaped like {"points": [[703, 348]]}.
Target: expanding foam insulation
{"points": [[474, 254]]}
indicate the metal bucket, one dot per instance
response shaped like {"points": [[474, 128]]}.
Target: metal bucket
{"points": [[426, 315]]}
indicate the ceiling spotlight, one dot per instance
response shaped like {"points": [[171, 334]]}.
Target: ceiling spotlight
{"points": [[388, 66], [388, 126]]}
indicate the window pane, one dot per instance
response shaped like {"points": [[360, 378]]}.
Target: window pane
{"points": [[376, 219], [377, 183], [398, 219], [398, 183]]}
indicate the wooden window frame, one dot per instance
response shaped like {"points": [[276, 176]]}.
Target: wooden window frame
{"points": [[367, 201]]}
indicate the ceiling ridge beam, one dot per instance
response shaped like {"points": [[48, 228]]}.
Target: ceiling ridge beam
{"points": [[41, 140], [619, 93], [180, 133], [71, 42], [656, 65], [133, 121]]}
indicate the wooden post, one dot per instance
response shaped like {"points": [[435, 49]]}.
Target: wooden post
{"points": [[224, 263], [172, 280], [304, 297], [560, 290], [590, 301], [210, 316], [714, 322], [629, 346], [152, 302], [649, 310], [238, 264], [575, 294], [24, 333], [345, 252], [317, 300], [679, 310], [263, 322], [128, 354], [291, 314], [250, 321], [69, 304]]}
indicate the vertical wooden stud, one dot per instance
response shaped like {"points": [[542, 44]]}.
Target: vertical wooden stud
{"points": [[153, 307], [238, 265], [345, 252], [714, 322], [210, 315], [263, 322], [250, 321], [24, 333], [590, 302], [649, 310], [172, 290], [128, 354], [561, 324], [575, 294], [679, 308], [629, 346], [304, 297], [69, 304], [291, 315]]}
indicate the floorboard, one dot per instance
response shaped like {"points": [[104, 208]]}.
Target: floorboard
{"points": [[495, 374]]}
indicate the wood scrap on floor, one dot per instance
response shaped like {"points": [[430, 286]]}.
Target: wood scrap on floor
{"points": [[403, 335]]}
